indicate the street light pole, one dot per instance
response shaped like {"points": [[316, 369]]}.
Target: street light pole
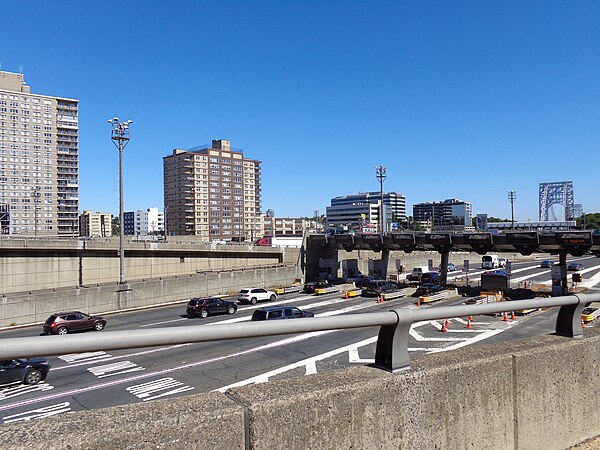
{"points": [[120, 137], [512, 195], [36, 196], [380, 174]]}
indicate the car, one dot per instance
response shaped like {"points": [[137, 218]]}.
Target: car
{"points": [[520, 294], [431, 277], [66, 322], [427, 289], [204, 307], [450, 268], [26, 371], [311, 286], [280, 312], [575, 266], [253, 295], [547, 263], [378, 287]]}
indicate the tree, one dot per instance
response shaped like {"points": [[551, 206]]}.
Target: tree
{"points": [[592, 221], [116, 227]]}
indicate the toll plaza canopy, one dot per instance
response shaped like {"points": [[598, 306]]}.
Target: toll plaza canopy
{"points": [[575, 243]]}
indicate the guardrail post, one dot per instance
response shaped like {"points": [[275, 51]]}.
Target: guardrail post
{"points": [[391, 353], [568, 320]]}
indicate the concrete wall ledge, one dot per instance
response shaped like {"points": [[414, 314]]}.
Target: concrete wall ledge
{"points": [[525, 394]]}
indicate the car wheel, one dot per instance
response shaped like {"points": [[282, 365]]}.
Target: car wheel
{"points": [[33, 377], [204, 313], [62, 330], [230, 310], [273, 297], [253, 300], [99, 326]]}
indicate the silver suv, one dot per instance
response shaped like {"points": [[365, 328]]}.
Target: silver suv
{"points": [[253, 295]]}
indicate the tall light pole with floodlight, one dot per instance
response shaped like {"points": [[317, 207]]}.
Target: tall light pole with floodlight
{"points": [[381, 175], [120, 137], [512, 196]]}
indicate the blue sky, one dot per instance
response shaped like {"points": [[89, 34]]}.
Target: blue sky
{"points": [[463, 99]]}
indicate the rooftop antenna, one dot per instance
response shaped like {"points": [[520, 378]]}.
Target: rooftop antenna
{"points": [[21, 70]]}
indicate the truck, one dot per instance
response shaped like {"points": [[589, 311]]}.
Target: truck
{"points": [[280, 241], [489, 262], [496, 280]]}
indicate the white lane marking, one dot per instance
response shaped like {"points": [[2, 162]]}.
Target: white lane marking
{"points": [[52, 410], [129, 355], [84, 357], [152, 389], [22, 389], [118, 368], [593, 281]]}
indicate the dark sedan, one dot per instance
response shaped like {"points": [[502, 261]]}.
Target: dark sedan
{"points": [[575, 266], [67, 322], [27, 371], [311, 286], [428, 289], [204, 306]]}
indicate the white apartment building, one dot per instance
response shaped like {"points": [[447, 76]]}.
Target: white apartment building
{"points": [[144, 223], [39, 160]]}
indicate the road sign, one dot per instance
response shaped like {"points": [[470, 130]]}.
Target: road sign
{"points": [[466, 266], [508, 267], [430, 264]]}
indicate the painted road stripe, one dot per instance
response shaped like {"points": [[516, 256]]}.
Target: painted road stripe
{"points": [[52, 410]]}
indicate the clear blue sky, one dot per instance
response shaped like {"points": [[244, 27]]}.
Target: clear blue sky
{"points": [[458, 99]]}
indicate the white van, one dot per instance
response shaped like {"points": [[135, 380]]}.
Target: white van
{"points": [[416, 273], [489, 261]]}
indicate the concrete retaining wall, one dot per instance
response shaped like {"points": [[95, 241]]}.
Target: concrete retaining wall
{"points": [[528, 394], [36, 306]]}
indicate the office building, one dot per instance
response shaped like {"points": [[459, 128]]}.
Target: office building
{"points": [[212, 192], [361, 211], [451, 215], [144, 223], [95, 224], [39, 160]]}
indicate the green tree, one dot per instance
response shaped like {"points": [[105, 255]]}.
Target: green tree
{"points": [[116, 227], [592, 221]]}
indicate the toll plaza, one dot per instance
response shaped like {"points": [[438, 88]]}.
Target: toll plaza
{"points": [[321, 250]]}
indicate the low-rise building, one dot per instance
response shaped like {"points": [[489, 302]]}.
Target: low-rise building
{"points": [[95, 224], [144, 223]]}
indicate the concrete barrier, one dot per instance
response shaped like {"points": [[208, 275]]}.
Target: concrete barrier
{"points": [[523, 394], [36, 306]]}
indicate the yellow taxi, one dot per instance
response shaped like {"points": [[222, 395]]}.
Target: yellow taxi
{"points": [[589, 314]]}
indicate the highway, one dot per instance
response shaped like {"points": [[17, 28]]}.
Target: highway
{"points": [[94, 380]]}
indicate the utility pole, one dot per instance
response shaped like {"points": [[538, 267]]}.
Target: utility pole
{"points": [[512, 195], [36, 199], [381, 175], [120, 137]]}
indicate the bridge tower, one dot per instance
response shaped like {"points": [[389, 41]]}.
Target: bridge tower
{"points": [[557, 193]]}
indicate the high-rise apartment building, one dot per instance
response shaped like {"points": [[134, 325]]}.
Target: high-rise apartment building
{"points": [[212, 192], [95, 224], [144, 223], [39, 160]]}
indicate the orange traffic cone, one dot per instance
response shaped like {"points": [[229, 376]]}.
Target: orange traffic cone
{"points": [[418, 301], [447, 323], [444, 329], [505, 319], [582, 323], [512, 315], [346, 295], [469, 326]]}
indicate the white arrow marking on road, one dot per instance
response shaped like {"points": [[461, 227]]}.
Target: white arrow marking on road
{"points": [[15, 391], [144, 391], [109, 370]]}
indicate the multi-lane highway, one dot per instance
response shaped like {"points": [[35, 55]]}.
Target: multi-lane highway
{"points": [[94, 380]]}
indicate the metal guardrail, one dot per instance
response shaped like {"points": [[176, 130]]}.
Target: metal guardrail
{"points": [[392, 344]]}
